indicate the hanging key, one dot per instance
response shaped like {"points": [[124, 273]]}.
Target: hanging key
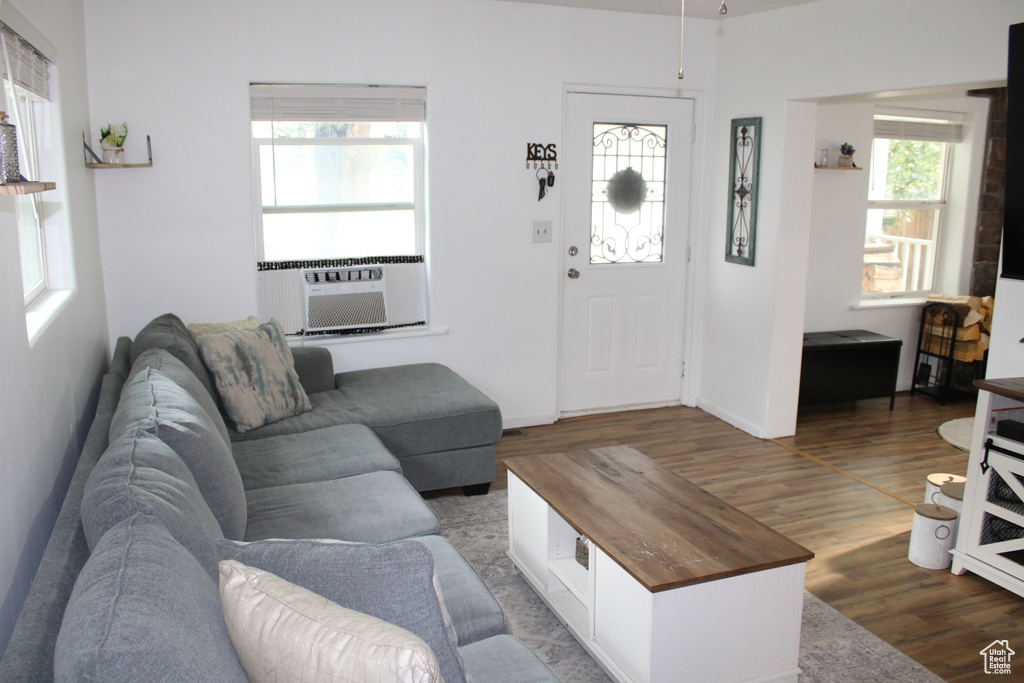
{"points": [[543, 188]]}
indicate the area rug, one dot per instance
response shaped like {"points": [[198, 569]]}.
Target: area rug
{"points": [[958, 432], [833, 649]]}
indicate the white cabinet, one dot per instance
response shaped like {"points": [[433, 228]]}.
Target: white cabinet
{"points": [[991, 531]]}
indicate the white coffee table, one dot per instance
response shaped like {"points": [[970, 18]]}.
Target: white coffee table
{"points": [[680, 586]]}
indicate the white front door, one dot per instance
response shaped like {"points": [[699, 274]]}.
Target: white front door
{"points": [[626, 170]]}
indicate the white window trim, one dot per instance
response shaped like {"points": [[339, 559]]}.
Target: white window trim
{"points": [[56, 241], [940, 205]]}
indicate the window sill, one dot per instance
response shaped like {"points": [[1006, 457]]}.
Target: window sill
{"points": [[400, 333], [43, 311], [893, 302]]}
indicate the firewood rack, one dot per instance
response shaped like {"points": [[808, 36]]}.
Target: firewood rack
{"points": [[943, 368]]}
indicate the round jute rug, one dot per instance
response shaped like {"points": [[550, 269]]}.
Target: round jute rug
{"points": [[958, 432]]}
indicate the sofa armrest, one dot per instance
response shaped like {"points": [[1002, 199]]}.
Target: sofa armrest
{"points": [[315, 368]]}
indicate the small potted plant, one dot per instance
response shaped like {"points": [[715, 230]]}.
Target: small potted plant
{"points": [[846, 151], [112, 142]]}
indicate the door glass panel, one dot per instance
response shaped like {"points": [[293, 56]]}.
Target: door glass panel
{"points": [[628, 193]]}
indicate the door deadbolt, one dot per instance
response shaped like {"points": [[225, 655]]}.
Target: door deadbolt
{"points": [[573, 251], [573, 273]]}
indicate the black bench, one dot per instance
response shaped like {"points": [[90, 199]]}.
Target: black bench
{"points": [[848, 365]]}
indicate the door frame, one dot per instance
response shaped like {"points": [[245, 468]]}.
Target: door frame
{"points": [[693, 308]]}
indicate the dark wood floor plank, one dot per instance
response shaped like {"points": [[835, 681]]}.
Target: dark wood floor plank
{"points": [[842, 487]]}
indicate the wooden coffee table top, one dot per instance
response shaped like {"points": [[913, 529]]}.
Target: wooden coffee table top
{"points": [[662, 529]]}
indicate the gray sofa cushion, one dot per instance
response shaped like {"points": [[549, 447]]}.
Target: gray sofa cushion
{"points": [[319, 455], [167, 365], [29, 654], [140, 473], [368, 508], [503, 659], [143, 609], [156, 404], [445, 469], [315, 368], [475, 612], [414, 409], [392, 581], [168, 332]]}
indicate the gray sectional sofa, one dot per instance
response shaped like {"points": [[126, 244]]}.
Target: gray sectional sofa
{"points": [[167, 501]]}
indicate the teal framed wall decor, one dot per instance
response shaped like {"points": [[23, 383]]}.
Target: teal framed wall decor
{"points": [[744, 164]]}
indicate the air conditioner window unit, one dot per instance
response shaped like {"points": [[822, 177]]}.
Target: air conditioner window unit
{"points": [[383, 295]]}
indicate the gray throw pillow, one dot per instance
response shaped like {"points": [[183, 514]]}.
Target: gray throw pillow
{"points": [[395, 582], [140, 473], [255, 375], [143, 609], [152, 402]]}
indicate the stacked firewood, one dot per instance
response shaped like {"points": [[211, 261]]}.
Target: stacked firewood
{"points": [[972, 335]]}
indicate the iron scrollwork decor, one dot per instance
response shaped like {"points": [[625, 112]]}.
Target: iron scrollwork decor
{"points": [[628, 201], [744, 163]]}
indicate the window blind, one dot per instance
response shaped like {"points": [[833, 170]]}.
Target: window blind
{"points": [[337, 103], [30, 67], [915, 124]]}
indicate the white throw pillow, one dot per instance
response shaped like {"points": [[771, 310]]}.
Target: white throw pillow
{"points": [[282, 632]]}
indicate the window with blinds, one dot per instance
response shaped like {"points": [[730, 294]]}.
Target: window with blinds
{"points": [[910, 157], [26, 74], [340, 171]]}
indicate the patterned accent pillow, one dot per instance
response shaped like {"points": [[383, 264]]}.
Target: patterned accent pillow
{"points": [[283, 632], [255, 375], [199, 329]]}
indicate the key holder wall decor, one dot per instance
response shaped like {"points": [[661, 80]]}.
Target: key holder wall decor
{"points": [[545, 161]]}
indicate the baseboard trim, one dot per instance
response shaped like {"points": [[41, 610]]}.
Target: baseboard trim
{"points": [[724, 415], [528, 421]]}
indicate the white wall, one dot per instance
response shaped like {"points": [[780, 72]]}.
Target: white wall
{"points": [[178, 237], [835, 260], [495, 73], [49, 388], [753, 329]]}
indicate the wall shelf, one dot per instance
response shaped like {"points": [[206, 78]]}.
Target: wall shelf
{"points": [[26, 187], [838, 168], [97, 162]]}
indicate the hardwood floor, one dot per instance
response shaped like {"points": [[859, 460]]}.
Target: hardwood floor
{"points": [[844, 486]]}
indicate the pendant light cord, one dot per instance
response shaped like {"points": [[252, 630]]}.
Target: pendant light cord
{"points": [[682, 18]]}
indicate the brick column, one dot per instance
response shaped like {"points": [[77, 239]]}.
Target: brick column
{"points": [[989, 235]]}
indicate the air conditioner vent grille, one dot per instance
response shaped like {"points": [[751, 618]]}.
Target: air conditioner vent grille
{"points": [[353, 308], [346, 275]]}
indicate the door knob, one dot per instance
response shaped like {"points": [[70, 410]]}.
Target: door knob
{"points": [[573, 273], [573, 251]]}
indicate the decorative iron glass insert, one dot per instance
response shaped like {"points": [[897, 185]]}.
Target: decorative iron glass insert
{"points": [[744, 163], [628, 200]]}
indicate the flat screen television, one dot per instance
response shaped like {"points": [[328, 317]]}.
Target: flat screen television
{"points": [[1013, 219]]}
